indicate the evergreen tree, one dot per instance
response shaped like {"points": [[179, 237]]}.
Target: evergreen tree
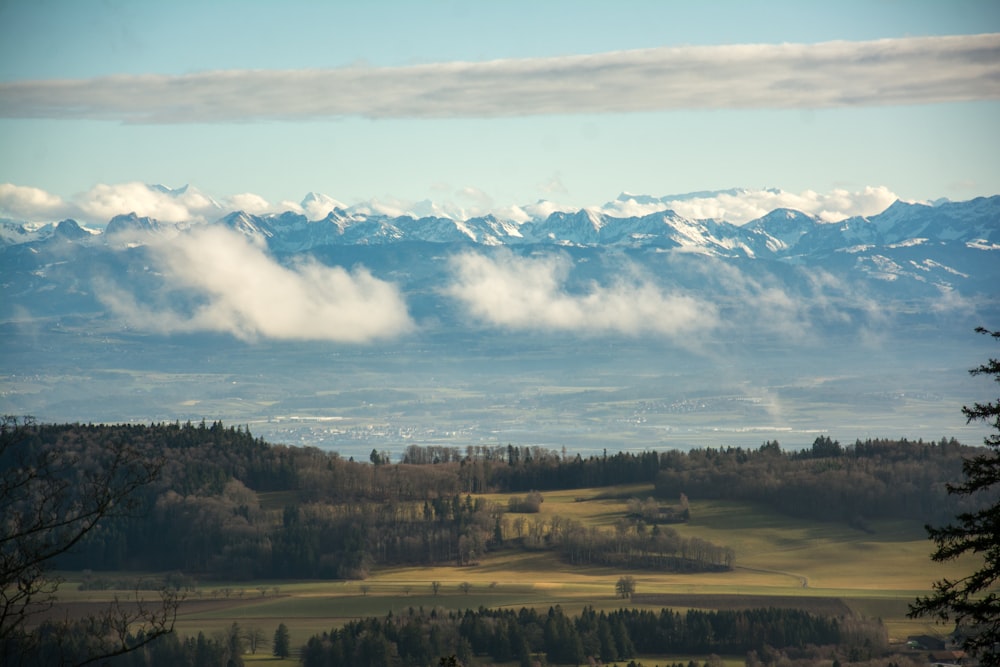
{"points": [[973, 602], [282, 642]]}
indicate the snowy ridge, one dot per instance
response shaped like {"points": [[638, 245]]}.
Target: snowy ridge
{"points": [[782, 233]]}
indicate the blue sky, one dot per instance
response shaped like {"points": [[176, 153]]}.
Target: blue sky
{"points": [[507, 150]]}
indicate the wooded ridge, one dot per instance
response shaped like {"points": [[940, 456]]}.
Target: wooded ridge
{"points": [[229, 505]]}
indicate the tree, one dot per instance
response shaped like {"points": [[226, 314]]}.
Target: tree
{"points": [[51, 499], [233, 641], [973, 602], [282, 642], [625, 587], [254, 638]]}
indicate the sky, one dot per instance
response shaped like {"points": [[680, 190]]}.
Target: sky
{"points": [[839, 107]]}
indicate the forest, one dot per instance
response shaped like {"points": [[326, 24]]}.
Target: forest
{"points": [[418, 637], [415, 637], [228, 505]]}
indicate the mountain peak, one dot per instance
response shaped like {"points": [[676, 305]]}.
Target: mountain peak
{"points": [[782, 228], [317, 205], [780, 233], [168, 190], [70, 229]]}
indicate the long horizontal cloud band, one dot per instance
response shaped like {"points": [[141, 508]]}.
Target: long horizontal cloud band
{"points": [[917, 70]]}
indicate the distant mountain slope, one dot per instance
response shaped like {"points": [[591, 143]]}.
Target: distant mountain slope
{"points": [[782, 233]]}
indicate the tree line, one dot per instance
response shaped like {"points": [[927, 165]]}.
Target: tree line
{"points": [[871, 479], [62, 644], [418, 636]]}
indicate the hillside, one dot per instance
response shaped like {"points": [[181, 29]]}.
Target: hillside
{"points": [[254, 532]]}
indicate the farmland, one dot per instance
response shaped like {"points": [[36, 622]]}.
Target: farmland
{"points": [[781, 562]]}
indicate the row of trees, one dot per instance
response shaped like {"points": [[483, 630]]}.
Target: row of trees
{"points": [[869, 479], [629, 545], [874, 479], [417, 637], [73, 644]]}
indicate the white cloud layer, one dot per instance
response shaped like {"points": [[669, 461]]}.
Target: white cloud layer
{"points": [[238, 289], [518, 293], [102, 202], [742, 206], [912, 70], [20, 202]]}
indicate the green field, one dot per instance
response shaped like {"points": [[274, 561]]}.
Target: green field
{"points": [[780, 562]]}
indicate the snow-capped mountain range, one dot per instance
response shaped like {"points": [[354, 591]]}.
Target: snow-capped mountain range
{"points": [[782, 233], [924, 259]]}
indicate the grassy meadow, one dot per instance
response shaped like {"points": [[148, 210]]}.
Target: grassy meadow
{"points": [[780, 561]]}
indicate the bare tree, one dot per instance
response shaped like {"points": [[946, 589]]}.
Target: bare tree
{"points": [[50, 500], [254, 637], [625, 587]]}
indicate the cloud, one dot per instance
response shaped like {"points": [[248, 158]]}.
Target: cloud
{"points": [[32, 204], [721, 301], [799, 306], [755, 303], [553, 186], [741, 206], [911, 70], [518, 293], [234, 287], [315, 206], [103, 202], [253, 204], [480, 199]]}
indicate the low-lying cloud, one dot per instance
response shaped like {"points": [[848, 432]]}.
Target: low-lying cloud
{"points": [[739, 207], [21, 202], [531, 294], [232, 286], [911, 70], [106, 200], [103, 201]]}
